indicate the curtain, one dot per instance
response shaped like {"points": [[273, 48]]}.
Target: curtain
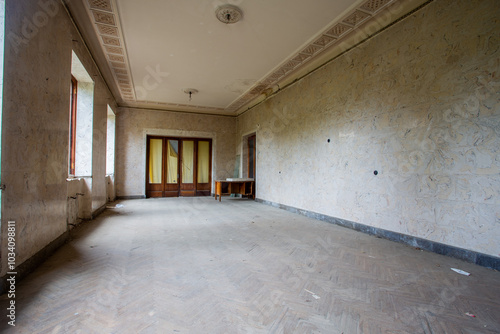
{"points": [[203, 161], [172, 158], [155, 159], [187, 161]]}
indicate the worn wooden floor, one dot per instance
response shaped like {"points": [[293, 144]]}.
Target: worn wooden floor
{"points": [[194, 265]]}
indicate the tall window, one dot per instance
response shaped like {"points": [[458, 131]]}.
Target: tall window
{"points": [[81, 120], [72, 126], [110, 142]]}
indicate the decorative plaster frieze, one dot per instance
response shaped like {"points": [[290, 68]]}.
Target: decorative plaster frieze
{"points": [[330, 37]]}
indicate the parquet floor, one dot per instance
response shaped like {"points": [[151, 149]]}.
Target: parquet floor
{"points": [[194, 265]]}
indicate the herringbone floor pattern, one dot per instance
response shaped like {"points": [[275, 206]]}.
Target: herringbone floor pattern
{"points": [[194, 265]]}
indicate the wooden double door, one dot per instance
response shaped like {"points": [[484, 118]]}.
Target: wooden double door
{"points": [[178, 167]]}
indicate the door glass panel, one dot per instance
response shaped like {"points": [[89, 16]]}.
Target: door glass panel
{"points": [[155, 160], [203, 161], [187, 161], [172, 161]]}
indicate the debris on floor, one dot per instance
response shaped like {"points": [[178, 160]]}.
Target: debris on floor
{"points": [[117, 206], [461, 272], [470, 315]]}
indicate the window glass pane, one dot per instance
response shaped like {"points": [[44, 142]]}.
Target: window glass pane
{"points": [[203, 161], [155, 160], [172, 161], [187, 161]]}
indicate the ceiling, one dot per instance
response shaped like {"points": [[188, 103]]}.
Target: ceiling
{"points": [[151, 52]]}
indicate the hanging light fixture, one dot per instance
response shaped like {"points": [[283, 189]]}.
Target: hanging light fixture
{"points": [[190, 92], [228, 14]]}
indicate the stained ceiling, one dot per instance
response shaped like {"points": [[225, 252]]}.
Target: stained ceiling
{"points": [[153, 52]]}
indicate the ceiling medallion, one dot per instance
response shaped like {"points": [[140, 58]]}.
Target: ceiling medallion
{"points": [[228, 14]]}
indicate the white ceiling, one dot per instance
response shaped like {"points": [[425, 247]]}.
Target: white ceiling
{"points": [[151, 51], [222, 61]]}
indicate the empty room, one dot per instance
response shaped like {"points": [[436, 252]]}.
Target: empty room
{"points": [[250, 166]]}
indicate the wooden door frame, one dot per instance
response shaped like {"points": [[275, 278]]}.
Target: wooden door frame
{"points": [[181, 191]]}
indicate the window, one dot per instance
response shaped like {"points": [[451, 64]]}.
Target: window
{"points": [[72, 126], [81, 120], [110, 142]]}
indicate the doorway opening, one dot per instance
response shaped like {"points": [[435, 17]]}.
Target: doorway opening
{"points": [[249, 156], [178, 167]]}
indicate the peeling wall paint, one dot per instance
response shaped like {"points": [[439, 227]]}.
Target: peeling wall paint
{"points": [[418, 103]]}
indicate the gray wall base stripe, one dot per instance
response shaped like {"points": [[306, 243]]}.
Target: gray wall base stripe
{"points": [[481, 259], [131, 197]]}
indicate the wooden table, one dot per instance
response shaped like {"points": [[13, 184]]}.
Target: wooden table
{"points": [[243, 187]]}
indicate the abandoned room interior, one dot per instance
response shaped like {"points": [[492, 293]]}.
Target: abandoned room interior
{"points": [[250, 166]]}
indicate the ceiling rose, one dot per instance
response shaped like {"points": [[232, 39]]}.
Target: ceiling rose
{"points": [[228, 14]]}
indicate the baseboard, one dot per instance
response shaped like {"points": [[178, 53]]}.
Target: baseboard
{"points": [[131, 197], [98, 211], [33, 262], [480, 259]]}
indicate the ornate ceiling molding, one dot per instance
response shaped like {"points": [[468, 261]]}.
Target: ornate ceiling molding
{"points": [[333, 35]]}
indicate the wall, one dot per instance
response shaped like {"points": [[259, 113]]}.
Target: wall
{"points": [[133, 125], [102, 98], [39, 41], [419, 104]]}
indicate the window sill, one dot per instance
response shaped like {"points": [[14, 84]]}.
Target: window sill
{"points": [[77, 178]]}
